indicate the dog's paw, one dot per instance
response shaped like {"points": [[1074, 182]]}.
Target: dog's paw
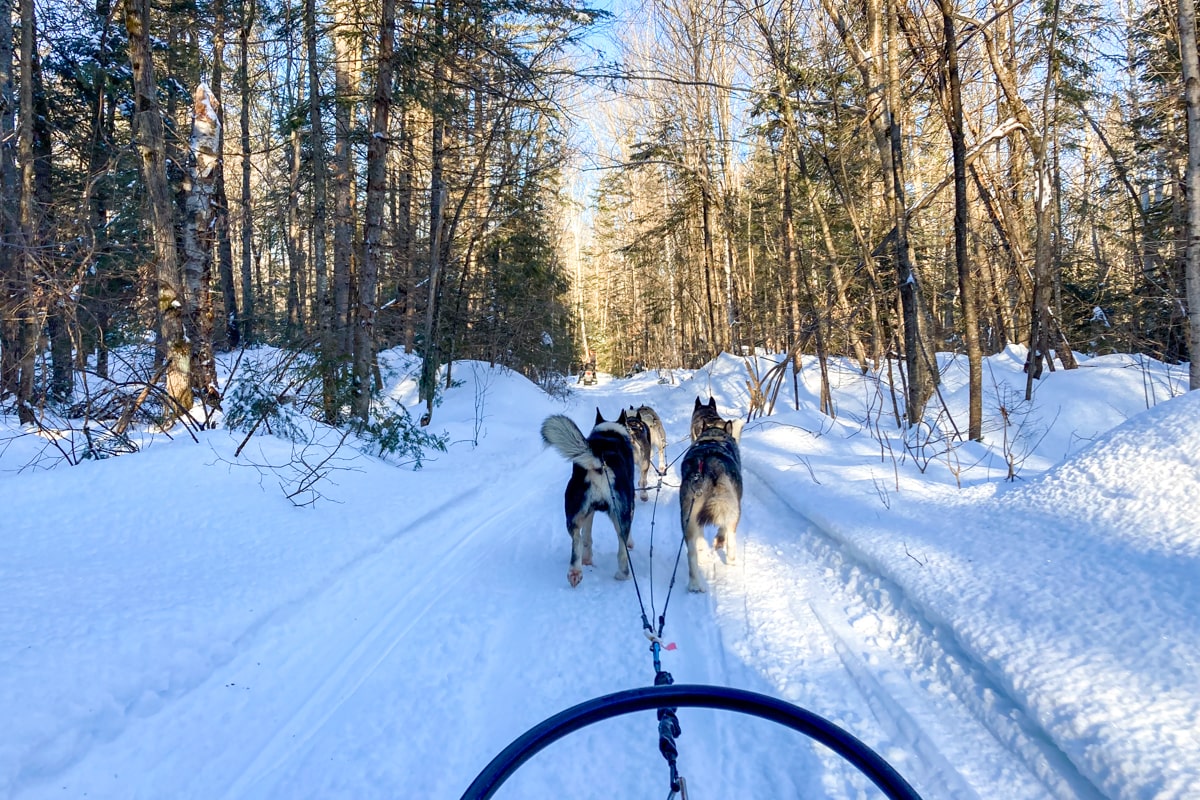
{"points": [[621, 576], [695, 586], [645, 497], [629, 544], [718, 542], [574, 576], [587, 561]]}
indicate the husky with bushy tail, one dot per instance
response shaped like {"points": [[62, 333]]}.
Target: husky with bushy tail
{"points": [[710, 492], [601, 480]]}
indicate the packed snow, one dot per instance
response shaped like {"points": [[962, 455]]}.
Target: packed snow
{"points": [[1017, 618]]}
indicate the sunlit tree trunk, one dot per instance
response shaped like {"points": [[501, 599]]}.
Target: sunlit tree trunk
{"points": [[149, 139], [198, 240], [966, 286], [1191, 85]]}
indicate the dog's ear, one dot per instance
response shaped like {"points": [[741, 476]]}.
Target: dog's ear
{"points": [[599, 416], [698, 404], [624, 418], [712, 402], [735, 429]]}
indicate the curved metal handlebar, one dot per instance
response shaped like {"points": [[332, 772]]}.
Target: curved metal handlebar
{"points": [[866, 760]]}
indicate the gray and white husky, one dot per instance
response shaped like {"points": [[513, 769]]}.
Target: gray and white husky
{"points": [[711, 492], [601, 480], [658, 434], [703, 415], [639, 437]]}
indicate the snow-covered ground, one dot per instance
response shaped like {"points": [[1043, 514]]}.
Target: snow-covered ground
{"points": [[172, 626]]}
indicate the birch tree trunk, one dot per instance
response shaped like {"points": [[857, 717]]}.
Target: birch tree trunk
{"points": [[198, 240], [149, 139]]}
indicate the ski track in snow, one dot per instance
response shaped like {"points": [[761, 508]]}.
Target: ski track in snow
{"points": [[903, 666]]}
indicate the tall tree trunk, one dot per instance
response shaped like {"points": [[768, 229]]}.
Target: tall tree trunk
{"points": [[437, 201], [198, 240], [1191, 86], [53, 304], [97, 191], [966, 286], [248, 300], [791, 268], [149, 138], [230, 331], [918, 356], [343, 178], [295, 242], [27, 305], [9, 187], [377, 158], [324, 300], [405, 240]]}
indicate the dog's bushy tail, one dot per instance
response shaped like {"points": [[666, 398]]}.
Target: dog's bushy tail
{"points": [[561, 433]]}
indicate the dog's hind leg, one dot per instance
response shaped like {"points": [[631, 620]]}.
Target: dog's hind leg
{"points": [[726, 540], [581, 547], [624, 543], [695, 539], [645, 467]]}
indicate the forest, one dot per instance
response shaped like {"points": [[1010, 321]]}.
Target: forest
{"points": [[540, 185]]}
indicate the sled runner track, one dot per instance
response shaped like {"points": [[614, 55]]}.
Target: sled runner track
{"points": [[927, 649], [372, 648]]}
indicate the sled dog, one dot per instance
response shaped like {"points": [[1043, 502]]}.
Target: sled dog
{"points": [[658, 434], [711, 493], [704, 415], [639, 438], [601, 480]]}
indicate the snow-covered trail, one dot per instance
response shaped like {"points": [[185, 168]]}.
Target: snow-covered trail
{"points": [[409, 668]]}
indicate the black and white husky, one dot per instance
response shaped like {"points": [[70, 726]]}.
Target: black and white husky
{"points": [[711, 492], [658, 434], [601, 480]]}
